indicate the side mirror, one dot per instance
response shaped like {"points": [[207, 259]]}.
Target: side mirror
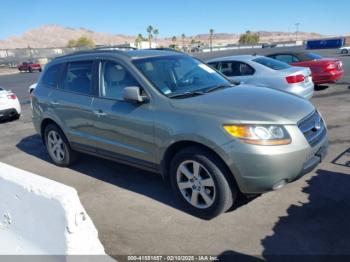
{"points": [[133, 94]]}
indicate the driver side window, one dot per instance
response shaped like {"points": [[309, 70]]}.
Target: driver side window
{"points": [[113, 79]]}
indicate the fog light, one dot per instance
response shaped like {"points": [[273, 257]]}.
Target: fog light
{"points": [[279, 184]]}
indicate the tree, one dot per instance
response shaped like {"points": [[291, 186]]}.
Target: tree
{"points": [[156, 33], [81, 42], [183, 37], [150, 36], [211, 33], [174, 39], [138, 40], [249, 38]]}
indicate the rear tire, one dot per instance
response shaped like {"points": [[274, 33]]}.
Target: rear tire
{"points": [[201, 182], [58, 146]]}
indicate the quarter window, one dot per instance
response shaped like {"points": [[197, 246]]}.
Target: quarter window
{"points": [[78, 77], [51, 75], [114, 78]]}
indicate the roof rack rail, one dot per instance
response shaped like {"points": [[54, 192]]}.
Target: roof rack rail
{"points": [[115, 47], [94, 50], [165, 49]]}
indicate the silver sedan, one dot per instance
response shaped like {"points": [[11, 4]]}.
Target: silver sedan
{"points": [[266, 72]]}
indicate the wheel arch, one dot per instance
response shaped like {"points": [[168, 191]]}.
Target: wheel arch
{"points": [[176, 147]]}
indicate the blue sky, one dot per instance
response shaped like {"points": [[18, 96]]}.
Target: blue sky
{"points": [[178, 16]]}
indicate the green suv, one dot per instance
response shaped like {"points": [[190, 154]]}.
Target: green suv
{"points": [[167, 112]]}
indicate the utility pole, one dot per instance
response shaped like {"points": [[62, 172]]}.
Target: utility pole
{"points": [[297, 31]]}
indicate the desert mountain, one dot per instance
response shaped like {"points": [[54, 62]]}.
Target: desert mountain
{"points": [[58, 36]]}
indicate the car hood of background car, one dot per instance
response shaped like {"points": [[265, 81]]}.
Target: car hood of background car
{"points": [[249, 104]]}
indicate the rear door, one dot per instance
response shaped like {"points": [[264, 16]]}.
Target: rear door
{"points": [[124, 130], [71, 103]]}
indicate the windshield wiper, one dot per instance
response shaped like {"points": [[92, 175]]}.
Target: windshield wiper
{"points": [[213, 88], [187, 94]]}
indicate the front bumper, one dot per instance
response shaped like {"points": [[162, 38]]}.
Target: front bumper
{"points": [[258, 169]]}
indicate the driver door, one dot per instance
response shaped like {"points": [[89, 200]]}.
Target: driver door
{"points": [[124, 130]]}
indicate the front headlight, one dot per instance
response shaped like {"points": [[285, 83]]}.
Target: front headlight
{"points": [[260, 134]]}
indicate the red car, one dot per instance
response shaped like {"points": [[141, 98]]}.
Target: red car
{"points": [[323, 70], [29, 66]]}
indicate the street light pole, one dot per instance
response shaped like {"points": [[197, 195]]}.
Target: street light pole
{"points": [[297, 30]]}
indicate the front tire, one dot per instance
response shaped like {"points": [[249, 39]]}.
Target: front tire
{"points": [[200, 181], [344, 51], [58, 147]]}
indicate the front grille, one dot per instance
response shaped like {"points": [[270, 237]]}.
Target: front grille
{"points": [[313, 128]]}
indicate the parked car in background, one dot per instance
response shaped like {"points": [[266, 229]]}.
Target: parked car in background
{"points": [[9, 105], [29, 67], [324, 70], [345, 50], [266, 72], [170, 113]]}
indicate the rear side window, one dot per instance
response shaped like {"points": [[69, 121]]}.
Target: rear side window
{"points": [[287, 58], [271, 63], [50, 76], [235, 68], [214, 65], [313, 56], [78, 77]]}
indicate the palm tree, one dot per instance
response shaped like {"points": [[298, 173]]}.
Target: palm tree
{"points": [[149, 31], [183, 36], [138, 41], [211, 33], [156, 33]]}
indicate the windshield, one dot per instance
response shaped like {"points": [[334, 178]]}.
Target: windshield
{"points": [[179, 74], [313, 56], [271, 63]]}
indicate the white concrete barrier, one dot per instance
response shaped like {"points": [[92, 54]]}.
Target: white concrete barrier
{"points": [[41, 216]]}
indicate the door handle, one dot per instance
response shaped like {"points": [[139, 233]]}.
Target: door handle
{"points": [[54, 103], [100, 113]]}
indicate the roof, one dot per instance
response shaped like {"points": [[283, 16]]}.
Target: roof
{"points": [[235, 57], [132, 54]]}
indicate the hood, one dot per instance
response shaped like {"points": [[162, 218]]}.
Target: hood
{"points": [[249, 104]]}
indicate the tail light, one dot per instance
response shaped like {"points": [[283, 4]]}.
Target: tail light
{"points": [[331, 66], [12, 96], [295, 79]]}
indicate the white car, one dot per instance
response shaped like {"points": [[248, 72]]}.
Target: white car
{"points": [[9, 105], [266, 72], [345, 50]]}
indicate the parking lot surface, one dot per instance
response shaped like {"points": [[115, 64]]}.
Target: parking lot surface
{"points": [[135, 212]]}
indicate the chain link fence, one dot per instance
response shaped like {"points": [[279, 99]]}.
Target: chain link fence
{"points": [[13, 57]]}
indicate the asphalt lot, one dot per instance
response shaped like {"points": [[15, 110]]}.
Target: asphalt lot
{"points": [[135, 212]]}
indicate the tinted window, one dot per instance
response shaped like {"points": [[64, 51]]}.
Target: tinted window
{"points": [[51, 75], [271, 63], [235, 68], [313, 56], [178, 74], [287, 58], [114, 78], [77, 77], [214, 65]]}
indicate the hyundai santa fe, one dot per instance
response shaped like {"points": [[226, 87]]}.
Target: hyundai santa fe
{"points": [[167, 112]]}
